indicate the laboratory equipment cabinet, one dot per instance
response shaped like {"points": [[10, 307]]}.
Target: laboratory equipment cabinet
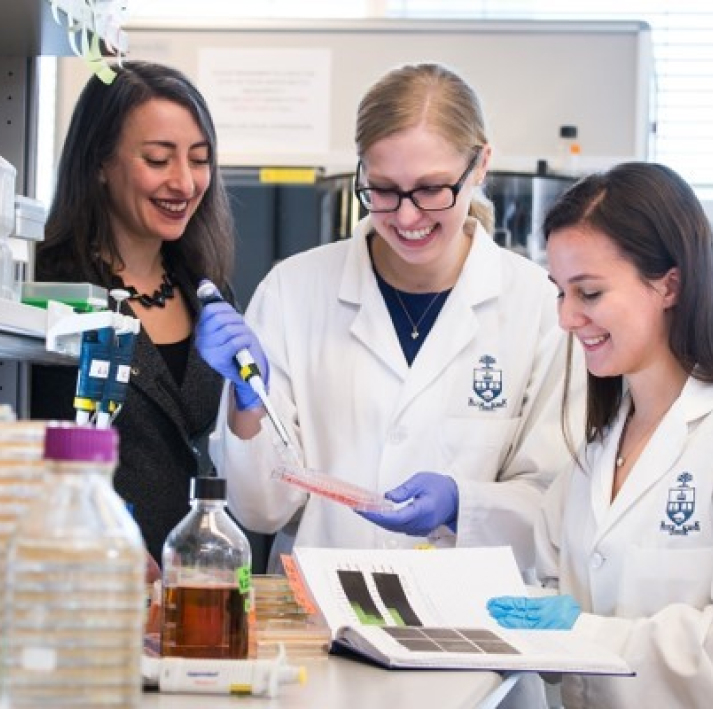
{"points": [[27, 31], [276, 217], [275, 220], [521, 201]]}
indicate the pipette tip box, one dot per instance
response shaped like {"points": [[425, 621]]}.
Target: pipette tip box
{"points": [[80, 296]]}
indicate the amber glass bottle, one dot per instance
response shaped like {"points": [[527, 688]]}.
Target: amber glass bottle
{"points": [[206, 580]]}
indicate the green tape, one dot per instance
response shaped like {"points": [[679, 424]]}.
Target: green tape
{"points": [[242, 576]]}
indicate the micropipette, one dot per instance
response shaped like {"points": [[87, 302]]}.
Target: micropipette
{"points": [[250, 372], [121, 356]]}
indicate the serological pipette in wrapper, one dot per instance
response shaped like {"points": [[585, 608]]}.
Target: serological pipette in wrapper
{"points": [[250, 373]]}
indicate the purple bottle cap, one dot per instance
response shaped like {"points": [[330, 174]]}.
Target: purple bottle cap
{"points": [[68, 441]]}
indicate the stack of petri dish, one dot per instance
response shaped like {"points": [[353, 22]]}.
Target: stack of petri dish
{"points": [[22, 469], [279, 619]]}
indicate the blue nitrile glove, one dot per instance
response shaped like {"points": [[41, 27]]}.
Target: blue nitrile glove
{"points": [[543, 613], [433, 502], [221, 333]]}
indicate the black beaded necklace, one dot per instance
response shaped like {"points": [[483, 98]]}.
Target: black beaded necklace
{"points": [[159, 296]]}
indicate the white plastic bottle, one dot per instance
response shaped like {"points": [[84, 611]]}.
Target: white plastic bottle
{"points": [[570, 150], [8, 176], [76, 583]]}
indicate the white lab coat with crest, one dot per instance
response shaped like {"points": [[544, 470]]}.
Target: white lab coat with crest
{"points": [[341, 385], [641, 566]]}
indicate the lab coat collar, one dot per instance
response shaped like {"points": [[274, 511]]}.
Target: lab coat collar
{"points": [[480, 280], [455, 328], [359, 288], [656, 460]]}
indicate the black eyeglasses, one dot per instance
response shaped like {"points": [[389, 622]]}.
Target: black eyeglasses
{"points": [[432, 198]]}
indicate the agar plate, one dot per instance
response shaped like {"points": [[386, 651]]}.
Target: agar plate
{"points": [[358, 498]]}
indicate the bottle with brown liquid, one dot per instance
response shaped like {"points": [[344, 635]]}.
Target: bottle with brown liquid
{"points": [[206, 580]]}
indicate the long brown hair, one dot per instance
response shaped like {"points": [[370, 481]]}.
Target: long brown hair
{"points": [[78, 226], [656, 221]]}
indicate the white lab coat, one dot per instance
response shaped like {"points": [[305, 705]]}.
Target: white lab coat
{"points": [[640, 569], [341, 384]]}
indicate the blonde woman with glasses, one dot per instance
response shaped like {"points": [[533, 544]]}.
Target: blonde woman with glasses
{"points": [[416, 359]]}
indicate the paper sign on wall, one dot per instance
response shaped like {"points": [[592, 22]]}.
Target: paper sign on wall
{"points": [[268, 100]]}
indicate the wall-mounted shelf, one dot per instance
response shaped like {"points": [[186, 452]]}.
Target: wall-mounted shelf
{"points": [[23, 331], [16, 347], [53, 334], [28, 30]]}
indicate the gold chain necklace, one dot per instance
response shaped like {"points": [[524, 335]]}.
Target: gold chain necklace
{"points": [[620, 457], [414, 325]]}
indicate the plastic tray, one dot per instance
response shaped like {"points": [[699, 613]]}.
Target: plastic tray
{"points": [[80, 296]]}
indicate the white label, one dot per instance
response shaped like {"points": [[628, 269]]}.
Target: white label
{"points": [[123, 372], [39, 659], [99, 368]]}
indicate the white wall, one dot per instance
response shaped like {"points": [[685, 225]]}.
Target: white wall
{"points": [[531, 77]]}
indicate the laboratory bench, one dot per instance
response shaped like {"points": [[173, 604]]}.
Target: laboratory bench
{"points": [[343, 683]]}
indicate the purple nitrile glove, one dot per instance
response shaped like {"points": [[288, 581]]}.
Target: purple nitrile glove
{"points": [[220, 334], [544, 613], [433, 501]]}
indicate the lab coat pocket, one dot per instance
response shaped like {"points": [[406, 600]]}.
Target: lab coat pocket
{"points": [[653, 578], [475, 446]]}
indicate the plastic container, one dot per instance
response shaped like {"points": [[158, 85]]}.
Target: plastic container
{"points": [[280, 621], [30, 218], [22, 471], [344, 493], [80, 296], [570, 151], [206, 580], [76, 583], [8, 175]]}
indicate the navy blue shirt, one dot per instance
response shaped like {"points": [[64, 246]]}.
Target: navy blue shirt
{"points": [[413, 315]]}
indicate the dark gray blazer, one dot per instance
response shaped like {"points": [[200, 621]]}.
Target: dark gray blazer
{"points": [[163, 428]]}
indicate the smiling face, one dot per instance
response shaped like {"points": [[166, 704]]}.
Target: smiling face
{"points": [[620, 319], [158, 173], [413, 241]]}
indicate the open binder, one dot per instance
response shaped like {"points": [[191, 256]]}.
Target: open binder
{"points": [[426, 609]]}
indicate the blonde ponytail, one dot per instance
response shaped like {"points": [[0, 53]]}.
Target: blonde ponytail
{"points": [[483, 210]]}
